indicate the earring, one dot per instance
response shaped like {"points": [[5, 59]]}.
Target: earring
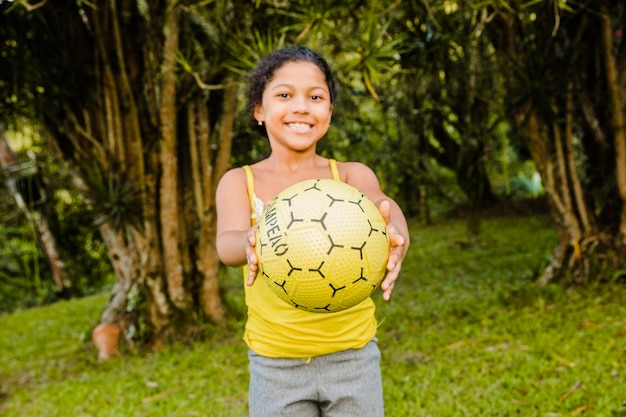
{"points": [[260, 123]]}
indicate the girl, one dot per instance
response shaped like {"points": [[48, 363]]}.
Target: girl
{"points": [[302, 364]]}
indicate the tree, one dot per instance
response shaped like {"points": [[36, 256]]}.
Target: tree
{"points": [[139, 99], [136, 98], [564, 67], [453, 103]]}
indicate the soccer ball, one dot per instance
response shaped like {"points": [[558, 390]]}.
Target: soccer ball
{"points": [[322, 246]]}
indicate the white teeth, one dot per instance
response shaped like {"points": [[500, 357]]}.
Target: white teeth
{"points": [[300, 126]]}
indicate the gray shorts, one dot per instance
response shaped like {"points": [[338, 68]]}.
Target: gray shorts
{"points": [[342, 384]]}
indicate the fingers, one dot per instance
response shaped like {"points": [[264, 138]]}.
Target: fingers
{"points": [[385, 211], [387, 289], [394, 265], [251, 237], [396, 243], [251, 277], [251, 257], [253, 266], [395, 238]]}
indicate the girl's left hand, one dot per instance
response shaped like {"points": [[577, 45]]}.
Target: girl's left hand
{"points": [[397, 251]]}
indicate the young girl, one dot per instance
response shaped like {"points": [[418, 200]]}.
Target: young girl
{"points": [[302, 364]]}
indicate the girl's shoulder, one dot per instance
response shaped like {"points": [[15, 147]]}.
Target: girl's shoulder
{"points": [[353, 169], [233, 180], [233, 175]]}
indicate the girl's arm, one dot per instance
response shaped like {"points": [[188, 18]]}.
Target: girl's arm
{"points": [[235, 238]]}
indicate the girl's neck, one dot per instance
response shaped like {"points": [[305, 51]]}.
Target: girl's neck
{"points": [[295, 163]]}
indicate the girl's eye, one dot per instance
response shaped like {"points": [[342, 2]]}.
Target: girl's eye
{"points": [[283, 95], [315, 98]]}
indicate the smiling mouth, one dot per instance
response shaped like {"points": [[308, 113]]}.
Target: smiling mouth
{"points": [[300, 126]]}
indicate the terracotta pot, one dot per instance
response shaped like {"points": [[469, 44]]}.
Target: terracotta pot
{"points": [[106, 338]]}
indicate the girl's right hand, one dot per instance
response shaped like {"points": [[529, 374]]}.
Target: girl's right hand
{"points": [[252, 259]]}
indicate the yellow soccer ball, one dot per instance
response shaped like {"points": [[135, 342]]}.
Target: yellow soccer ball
{"points": [[322, 246]]}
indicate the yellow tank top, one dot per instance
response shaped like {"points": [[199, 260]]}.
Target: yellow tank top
{"points": [[276, 329]]}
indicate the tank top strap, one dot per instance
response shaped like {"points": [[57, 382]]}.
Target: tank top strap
{"points": [[250, 181], [334, 170]]}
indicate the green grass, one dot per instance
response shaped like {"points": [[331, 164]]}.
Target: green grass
{"points": [[467, 333]]}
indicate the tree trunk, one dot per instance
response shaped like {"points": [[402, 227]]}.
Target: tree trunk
{"points": [[147, 144], [553, 121], [616, 110], [29, 198]]}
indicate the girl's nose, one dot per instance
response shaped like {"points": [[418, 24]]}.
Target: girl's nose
{"points": [[300, 105]]}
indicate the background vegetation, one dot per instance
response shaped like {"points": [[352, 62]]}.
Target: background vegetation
{"points": [[457, 105], [25, 273], [467, 333], [424, 142]]}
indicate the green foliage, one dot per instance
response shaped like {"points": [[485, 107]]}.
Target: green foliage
{"points": [[467, 333], [113, 197], [409, 72], [25, 276], [22, 281], [83, 250]]}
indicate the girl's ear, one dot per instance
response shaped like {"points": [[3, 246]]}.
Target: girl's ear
{"points": [[258, 114]]}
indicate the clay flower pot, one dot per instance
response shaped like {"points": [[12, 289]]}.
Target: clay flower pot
{"points": [[106, 338]]}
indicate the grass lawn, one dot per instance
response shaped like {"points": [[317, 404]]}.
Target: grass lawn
{"points": [[466, 333]]}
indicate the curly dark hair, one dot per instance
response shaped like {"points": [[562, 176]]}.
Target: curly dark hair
{"points": [[264, 72]]}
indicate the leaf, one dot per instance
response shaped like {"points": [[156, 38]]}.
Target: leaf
{"points": [[569, 392], [588, 323], [562, 360], [457, 345], [160, 395], [579, 410], [369, 85]]}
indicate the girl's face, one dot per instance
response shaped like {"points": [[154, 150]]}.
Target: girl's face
{"points": [[296, 107]]}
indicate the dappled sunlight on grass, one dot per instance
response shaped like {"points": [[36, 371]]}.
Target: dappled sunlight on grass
{"points": [[466, 333], [470, 334]]}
